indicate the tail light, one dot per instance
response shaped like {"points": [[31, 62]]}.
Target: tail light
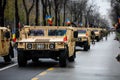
{"points": [[87, 34], [65, 39]]}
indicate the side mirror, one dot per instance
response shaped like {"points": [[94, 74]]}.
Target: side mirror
{"points": [[75, 34], [7, 34]]}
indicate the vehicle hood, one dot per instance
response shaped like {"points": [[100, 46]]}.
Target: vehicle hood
{"points": [[96, 32], [81, 35], [42, 40]]}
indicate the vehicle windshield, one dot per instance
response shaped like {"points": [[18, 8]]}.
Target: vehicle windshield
{"points": [[95, 30], [81, 31], [36, 32], [56, 32]]}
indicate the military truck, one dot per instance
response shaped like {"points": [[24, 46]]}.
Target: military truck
{"points": [[98, 35], [56, 42], [6, 49], [83, 39]]}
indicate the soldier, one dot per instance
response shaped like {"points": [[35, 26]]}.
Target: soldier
{"points": [[93, 37], [117, 27]]}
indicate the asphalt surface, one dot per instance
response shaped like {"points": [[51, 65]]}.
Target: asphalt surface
{"points": [[98, 63]]}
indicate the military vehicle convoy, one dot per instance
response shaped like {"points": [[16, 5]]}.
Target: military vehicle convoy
{"points": [[98, 33], [6, 49], [83, 39], [56, 42]]}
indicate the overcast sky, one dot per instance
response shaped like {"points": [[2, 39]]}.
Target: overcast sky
{"points": [[104, 6]]}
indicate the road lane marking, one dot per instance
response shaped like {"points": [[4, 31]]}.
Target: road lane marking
{"points": [[35, 79], [7, 67], [50, 69], [42, 73]]}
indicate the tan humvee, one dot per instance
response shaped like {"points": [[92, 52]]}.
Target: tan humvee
{"points": [[105, 32], [83, 38], [98, 35], [6, 49], [56, 42]]}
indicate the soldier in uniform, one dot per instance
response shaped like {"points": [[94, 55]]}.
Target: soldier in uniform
{"points": [[93, 37]]}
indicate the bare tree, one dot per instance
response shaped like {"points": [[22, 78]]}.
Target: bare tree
{"points": [[37, 12], [64, 7], [50, 6], [115, 13], [44, 4], [56, 3], [76, 9], [2, 9], [16, 14], [28, 10], [17, 19]]}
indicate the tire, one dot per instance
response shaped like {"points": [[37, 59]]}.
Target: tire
{"points": [[35, 60], [11, 52], [7, 58], [89, 47], [22, 61], [98, 39], [72, 58], [86, 48], [63, 58]]}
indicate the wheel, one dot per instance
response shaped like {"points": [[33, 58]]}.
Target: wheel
{"points": [[35, 59], [72, 58], [98, 39], [7, 58], [22, 61], [11, 52], [63, 58], [86, 48]]}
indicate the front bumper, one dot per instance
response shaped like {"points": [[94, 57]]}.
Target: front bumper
{"points": [[41, 46]]}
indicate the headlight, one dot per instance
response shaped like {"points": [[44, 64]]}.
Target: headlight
{"points": [[52, 46], [79, 39], [40, 46], [84, 37], [29, 46]]}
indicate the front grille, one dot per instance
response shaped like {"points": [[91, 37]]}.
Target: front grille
{"points": [[42, 40], [40, 46]]}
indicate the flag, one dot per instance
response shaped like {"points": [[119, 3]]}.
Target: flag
{"points": [[49, 20], [81, 24], [68, 21], [118, 19], [14, 35]]}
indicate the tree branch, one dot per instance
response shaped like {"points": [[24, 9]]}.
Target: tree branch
{"points": [[31, 6], [4, 4], [25, 6]]}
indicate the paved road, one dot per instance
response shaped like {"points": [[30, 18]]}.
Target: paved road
{"points": [[97, 64]]}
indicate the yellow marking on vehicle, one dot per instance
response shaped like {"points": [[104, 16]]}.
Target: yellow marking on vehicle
{"points": [[43, 73], [34, 79], [50, 69]]}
